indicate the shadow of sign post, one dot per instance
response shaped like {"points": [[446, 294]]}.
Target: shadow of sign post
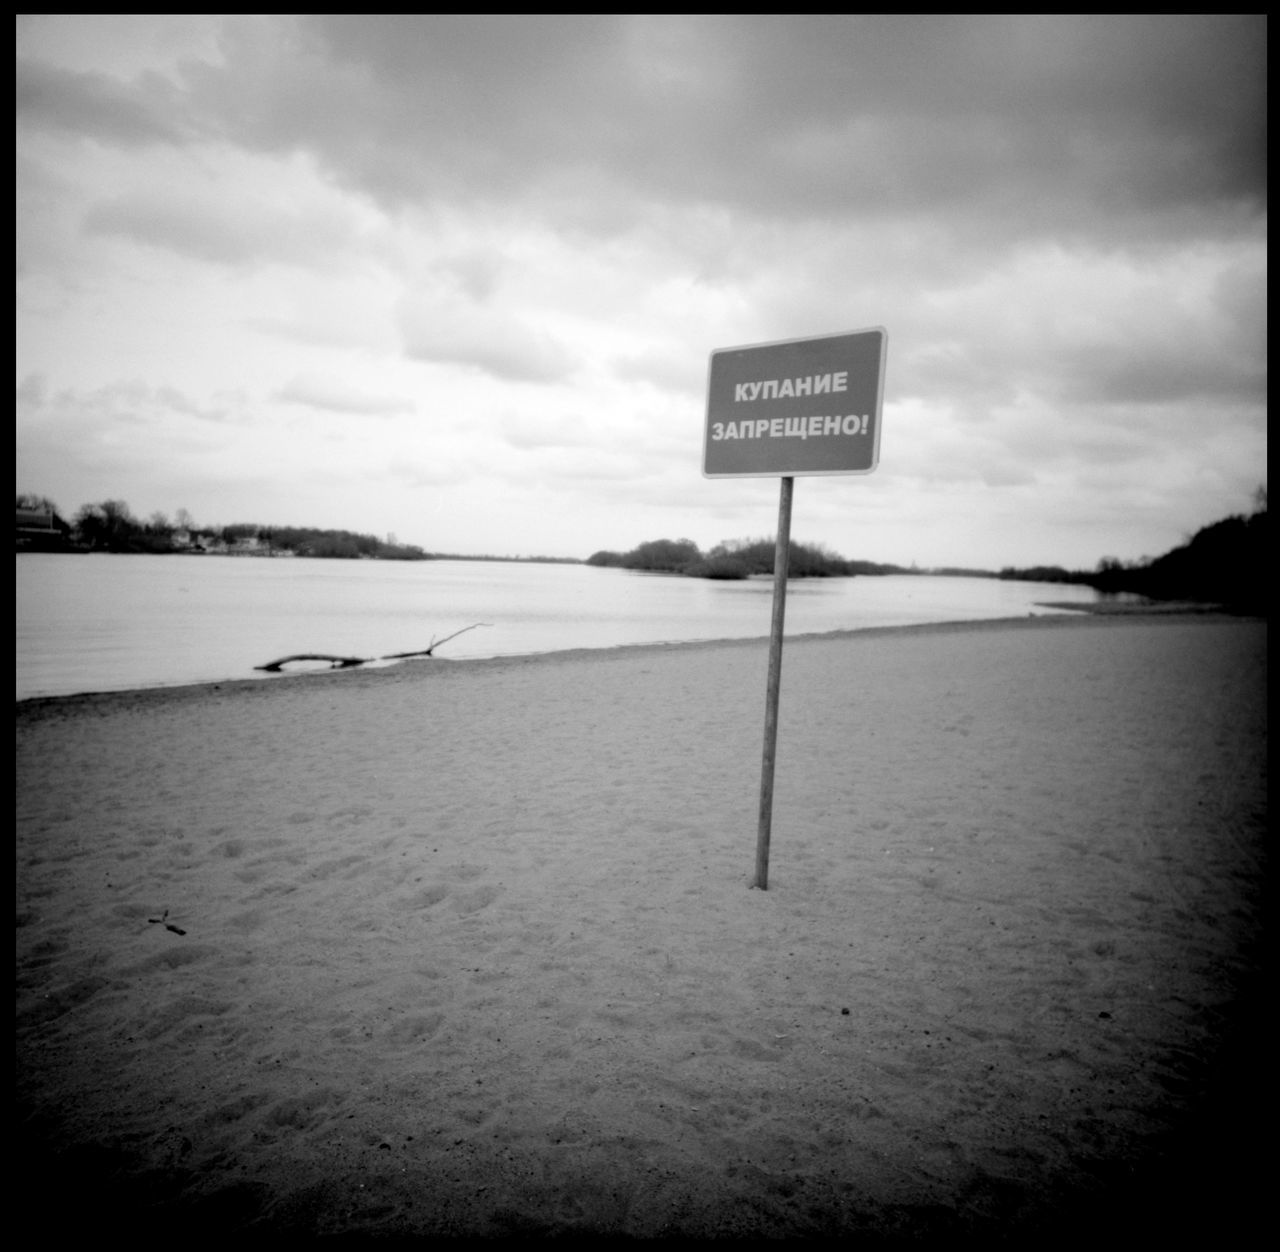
{"points": [[781, 410]]}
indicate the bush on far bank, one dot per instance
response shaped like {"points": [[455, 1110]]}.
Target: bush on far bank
{"points": [[733, 559], [724, 566]]}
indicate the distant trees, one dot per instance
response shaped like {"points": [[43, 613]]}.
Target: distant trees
{"points": [[663, 555], [803, 560], [721, 565], [733, 559], [1049, 573], [110, 526], [1223, 563], [37, 504]]}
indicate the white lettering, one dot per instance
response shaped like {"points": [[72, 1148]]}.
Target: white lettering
{"points": [[717, 431], [815, 425], [782, 388], [796, 426], [775, 428], [831, 425], [762, 427], [851, 425], [731, 431]]}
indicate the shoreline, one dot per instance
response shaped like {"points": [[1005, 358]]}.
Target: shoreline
{"points": [[470, 949], [1069, 613]]}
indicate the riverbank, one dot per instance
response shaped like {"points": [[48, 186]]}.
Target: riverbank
{"points": [[118, 623], [469, 947]]}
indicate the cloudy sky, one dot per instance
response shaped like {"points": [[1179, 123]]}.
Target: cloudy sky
{"points": [[458, 279]]}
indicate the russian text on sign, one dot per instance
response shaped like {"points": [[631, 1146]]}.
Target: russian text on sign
{"points": [[791, 427], [780, 389], [761, 400]]}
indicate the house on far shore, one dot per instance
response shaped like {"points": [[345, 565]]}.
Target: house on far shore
{"points": [[42, 530]]}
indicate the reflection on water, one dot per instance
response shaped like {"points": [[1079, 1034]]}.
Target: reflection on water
{"points": [[107, 623]]}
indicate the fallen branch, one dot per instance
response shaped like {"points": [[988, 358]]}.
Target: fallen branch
{"points": [[339, 662], [434, 644], [350, 662]]}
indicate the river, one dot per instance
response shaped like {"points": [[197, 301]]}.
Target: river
{"points": [[102, 622]]}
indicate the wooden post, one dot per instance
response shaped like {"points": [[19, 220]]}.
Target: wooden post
{"points": [[780, 561]]}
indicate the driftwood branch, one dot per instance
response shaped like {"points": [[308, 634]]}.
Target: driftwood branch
{"points": [[434, 644], [349, 662], [339, 662]]}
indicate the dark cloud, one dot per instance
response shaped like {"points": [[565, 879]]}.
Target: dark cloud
{"points": [[1174, 371], [1034, 124], [98, 106], [1041, 120]]}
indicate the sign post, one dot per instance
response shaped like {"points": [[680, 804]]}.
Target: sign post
{"points": [[778, 410], [781, 559]]}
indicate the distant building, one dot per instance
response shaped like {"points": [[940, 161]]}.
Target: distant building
{"points": [[42, 530], [36, 521]]}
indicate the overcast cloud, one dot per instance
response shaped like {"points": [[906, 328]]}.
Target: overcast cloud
{"points": [[458, 278]]}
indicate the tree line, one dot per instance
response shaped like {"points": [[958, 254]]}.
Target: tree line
{"points": [[109, 526], [1222, 563], [735, 559]]}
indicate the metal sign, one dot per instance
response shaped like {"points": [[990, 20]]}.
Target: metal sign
{"points": [[777, 410], [798, 406]]}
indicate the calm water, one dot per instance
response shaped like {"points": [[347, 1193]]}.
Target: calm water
{"points": [[110, 623]]}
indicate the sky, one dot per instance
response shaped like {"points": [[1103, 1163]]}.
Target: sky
{"points": [[458, 279]]}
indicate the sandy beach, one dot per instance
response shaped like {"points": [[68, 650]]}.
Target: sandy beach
{"points": [[470, 948]]}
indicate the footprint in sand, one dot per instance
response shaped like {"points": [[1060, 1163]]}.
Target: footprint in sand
{"points": [[249, 920], [326, 869], [427, 897], [413, 1029], [174, 958], [465, 902], [302, 1112], [183, 1012], [236, 1110]]}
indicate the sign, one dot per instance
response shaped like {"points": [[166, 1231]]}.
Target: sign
{"points": [[777, 410], [798, 406]]}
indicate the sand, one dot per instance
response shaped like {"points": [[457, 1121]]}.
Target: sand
{"points": [[470, 948]]}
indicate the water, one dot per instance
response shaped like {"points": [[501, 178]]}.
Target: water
{"points": [[111, 623]]}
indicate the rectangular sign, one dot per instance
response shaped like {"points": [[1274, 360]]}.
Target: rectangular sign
{"points": [[798, 406]]}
